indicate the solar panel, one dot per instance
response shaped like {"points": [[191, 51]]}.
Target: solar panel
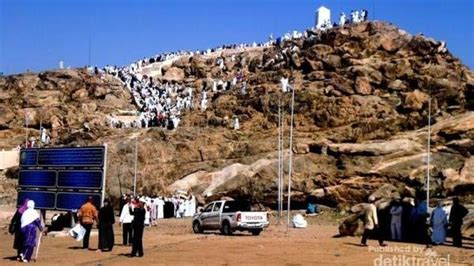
{"points": [[28, 157], [42, 199], [71, 156], [74, 201], [81, 179], [61, 178], [37, 178]]}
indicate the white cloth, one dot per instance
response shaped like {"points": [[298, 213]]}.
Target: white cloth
{"points": [[181, 209], [77, 232], [439, 220], [299, 221], [236, 124], [191, 208], [161, 204], [371, 219], [125, 216], [30, 215]]}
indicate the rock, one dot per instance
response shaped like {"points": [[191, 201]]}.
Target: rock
{"points": [[295, 60], [386, 193], [391, 42], [351, 226], [397, 85], [80, 95], [301, 148], [332, 62], [320, 51], [309, 66], [415, 100], [174, 74], [100, 92], [362, 86], [316, 75], [459, 181], [376, 148]]}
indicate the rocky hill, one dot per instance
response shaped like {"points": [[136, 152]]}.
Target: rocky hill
{"points": [[361, 111]]}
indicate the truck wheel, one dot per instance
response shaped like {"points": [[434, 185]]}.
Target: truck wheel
{"points": [[256, 232], [197, 228], [226, 230]]}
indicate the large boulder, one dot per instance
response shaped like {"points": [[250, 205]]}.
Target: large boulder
{"points": [[174, 74], [415, 100]]}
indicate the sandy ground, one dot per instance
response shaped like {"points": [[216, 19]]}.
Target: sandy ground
{"points": [[172, 242]]}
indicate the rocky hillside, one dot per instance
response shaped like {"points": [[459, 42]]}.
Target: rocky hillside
{"points": [[361, 111]]}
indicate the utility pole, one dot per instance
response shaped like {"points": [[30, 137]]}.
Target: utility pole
{"points": [[429, 157], [279, 160], [290, 153], [135, 176]]}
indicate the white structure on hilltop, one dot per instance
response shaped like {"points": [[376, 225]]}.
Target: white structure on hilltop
{"points": [[323, 16], [61, 64]]}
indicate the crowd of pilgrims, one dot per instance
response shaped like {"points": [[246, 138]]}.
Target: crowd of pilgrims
{"points": [[134, 214], [162, 104], [407, 220], [410, 221]]}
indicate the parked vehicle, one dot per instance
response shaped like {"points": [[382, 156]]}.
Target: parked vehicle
{"points": [[229, 216]]}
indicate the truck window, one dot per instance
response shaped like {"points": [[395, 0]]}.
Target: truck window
{"points": [[235, 206], [217, 206], [208, 208]]}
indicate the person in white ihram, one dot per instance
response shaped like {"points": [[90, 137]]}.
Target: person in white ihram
{"points": [[371, 223], [342, 19], [284, 84], [236, 124]]}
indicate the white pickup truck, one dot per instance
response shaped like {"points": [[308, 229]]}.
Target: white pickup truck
{"points": [[229, 216]]}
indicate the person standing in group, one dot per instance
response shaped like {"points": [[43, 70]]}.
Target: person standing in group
{"points": [[138, 212], [371, 223], [30, 221], [87, 215], [396, 220], [439, 222], [15, 228], [126, 222], [456, 216], [105, 225]]}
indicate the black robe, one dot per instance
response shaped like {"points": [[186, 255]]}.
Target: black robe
{"points": [[15, 228], [106, 230]]}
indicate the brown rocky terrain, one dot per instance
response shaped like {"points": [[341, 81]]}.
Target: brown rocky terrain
{"points": [[361, 115]]}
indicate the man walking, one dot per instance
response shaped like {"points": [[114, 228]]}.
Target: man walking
{"points": [[138, 224], [126, 221], [87, 215], [371, 223]]}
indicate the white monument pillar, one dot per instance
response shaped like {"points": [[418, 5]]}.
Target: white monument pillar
{"points": [[323, 15], [61, 64]]}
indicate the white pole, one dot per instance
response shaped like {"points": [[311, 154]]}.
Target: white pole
{"points": [[429, 157], [104, 179], [282, 176], [26, 133], [279, 160], [39, 237], [291, 153], [135, 176]]}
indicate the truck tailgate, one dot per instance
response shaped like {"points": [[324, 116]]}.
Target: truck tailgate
{"points": [[253, 217]]}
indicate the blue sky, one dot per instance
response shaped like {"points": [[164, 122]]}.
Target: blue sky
{"points": [[36, 34]]}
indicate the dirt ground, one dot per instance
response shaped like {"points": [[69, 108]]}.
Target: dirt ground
{"points": [[172, 242]]}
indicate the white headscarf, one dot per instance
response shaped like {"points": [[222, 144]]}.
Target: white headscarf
{"points": [[30, 215]]}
